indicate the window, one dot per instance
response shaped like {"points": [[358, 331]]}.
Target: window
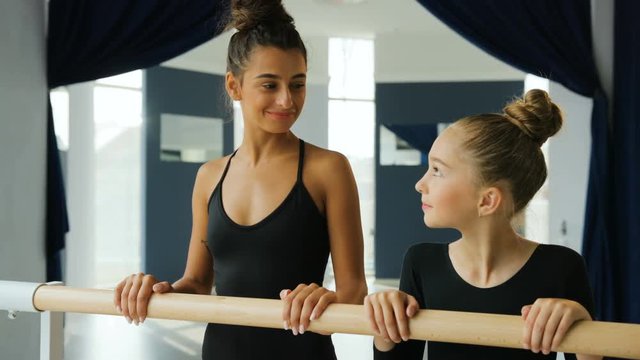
{"points": [[352, 122], [536, 215], [118, 166]]}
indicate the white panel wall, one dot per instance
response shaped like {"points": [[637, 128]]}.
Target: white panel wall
{"points": [[441, 56], [568, 163], [22, 163], [313, 124]]}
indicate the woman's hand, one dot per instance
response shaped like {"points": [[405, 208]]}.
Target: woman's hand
{"points": [[131, 296], [547, 322], [389, 313], [304, 304]]}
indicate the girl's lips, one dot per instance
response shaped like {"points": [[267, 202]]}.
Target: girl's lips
{"points": [[426, 207]]}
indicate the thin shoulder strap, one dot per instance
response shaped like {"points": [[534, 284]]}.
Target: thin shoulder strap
{"points": [[300, 160], [226, 168]]}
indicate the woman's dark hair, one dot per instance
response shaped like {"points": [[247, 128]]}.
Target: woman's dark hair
{"points": [[259, 23], [507, 146]]}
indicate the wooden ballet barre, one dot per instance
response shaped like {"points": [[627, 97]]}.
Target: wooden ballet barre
{"points": [[589, 337]]}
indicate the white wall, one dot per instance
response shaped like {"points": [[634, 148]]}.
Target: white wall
{"points": [[439, 56], [313, 124], [22, 163], [79, 252], [211, 57], [568, 163]]}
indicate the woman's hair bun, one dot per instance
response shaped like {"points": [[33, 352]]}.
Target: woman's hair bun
{"points": [[535, 114], [247, 14]]}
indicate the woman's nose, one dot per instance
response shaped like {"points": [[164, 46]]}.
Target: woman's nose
{"points": [[284, 99]]}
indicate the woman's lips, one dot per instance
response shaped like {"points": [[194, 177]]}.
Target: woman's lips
{"points": [[281, 115]]}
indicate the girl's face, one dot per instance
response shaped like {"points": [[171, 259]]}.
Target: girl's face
{"points": [[449, 195], [272, 89]]}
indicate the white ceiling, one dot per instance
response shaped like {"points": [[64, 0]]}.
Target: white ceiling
{"points": [[411, 44], [367, 18]]}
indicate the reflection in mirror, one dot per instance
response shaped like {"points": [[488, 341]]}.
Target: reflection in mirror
{"points": [[395, 151], [193, 139]]}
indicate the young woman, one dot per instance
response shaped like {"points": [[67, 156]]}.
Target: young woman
{"points": [[266, 218], [482, 170]]}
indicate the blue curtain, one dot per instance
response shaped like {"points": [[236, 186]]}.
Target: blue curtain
{"points": [[552, 39], [90, 39], [626, 149], [419, 136], [57, 224]]}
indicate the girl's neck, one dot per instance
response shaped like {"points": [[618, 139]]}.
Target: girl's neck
{"points": [[490, 253]]}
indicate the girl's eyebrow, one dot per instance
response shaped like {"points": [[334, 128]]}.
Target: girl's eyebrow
{"points": [[435, 159]]}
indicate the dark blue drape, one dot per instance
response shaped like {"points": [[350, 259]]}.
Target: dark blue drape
{"points": [[89, 39], [419, 136], [552, 39], [626, 149], [57, 223]]}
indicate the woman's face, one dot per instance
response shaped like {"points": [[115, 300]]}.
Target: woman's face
{"points": [[448, 191], [272, 89]]}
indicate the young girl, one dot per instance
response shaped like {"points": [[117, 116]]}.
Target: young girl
{"points": [[482, 170], [266, 218]]}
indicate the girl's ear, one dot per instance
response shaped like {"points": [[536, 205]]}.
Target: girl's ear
{"points": [[490, 200], [232, 85]]}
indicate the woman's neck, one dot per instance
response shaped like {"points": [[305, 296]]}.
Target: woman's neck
{"points": [[256, 148]]}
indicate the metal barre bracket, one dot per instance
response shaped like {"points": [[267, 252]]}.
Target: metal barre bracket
{"points": [[17, 296]]}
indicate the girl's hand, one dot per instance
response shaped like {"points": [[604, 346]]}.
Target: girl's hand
{"points": [[547, 322], [388, 313], [131, 296], [304, 304]]}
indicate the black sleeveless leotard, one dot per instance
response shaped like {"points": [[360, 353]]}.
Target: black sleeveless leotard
{"points": [[289, 247]]}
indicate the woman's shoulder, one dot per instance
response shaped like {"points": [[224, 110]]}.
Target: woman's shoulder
{"points": [[321, 157], [212, 167], [210, 172], [326, 166]]}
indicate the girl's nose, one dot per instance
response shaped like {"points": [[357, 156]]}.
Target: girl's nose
{"points": [[421, 185]]}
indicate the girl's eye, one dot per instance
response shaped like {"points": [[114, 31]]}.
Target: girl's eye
{"points": [[297, 86], [436, 171], [269, 86]]}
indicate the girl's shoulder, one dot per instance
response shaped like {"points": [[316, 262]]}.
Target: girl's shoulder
{"points": [[558, 253], [551, 257], [426, 253]]}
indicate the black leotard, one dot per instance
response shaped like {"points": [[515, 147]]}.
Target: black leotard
{"points": [[427, 273], [289, 247]]}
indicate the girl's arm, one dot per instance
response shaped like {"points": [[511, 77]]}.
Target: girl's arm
{"points": [[547, 322], [388, 313]]}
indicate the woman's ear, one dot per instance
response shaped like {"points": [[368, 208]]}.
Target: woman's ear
{"points": [[232, 85], [490, 200]]}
